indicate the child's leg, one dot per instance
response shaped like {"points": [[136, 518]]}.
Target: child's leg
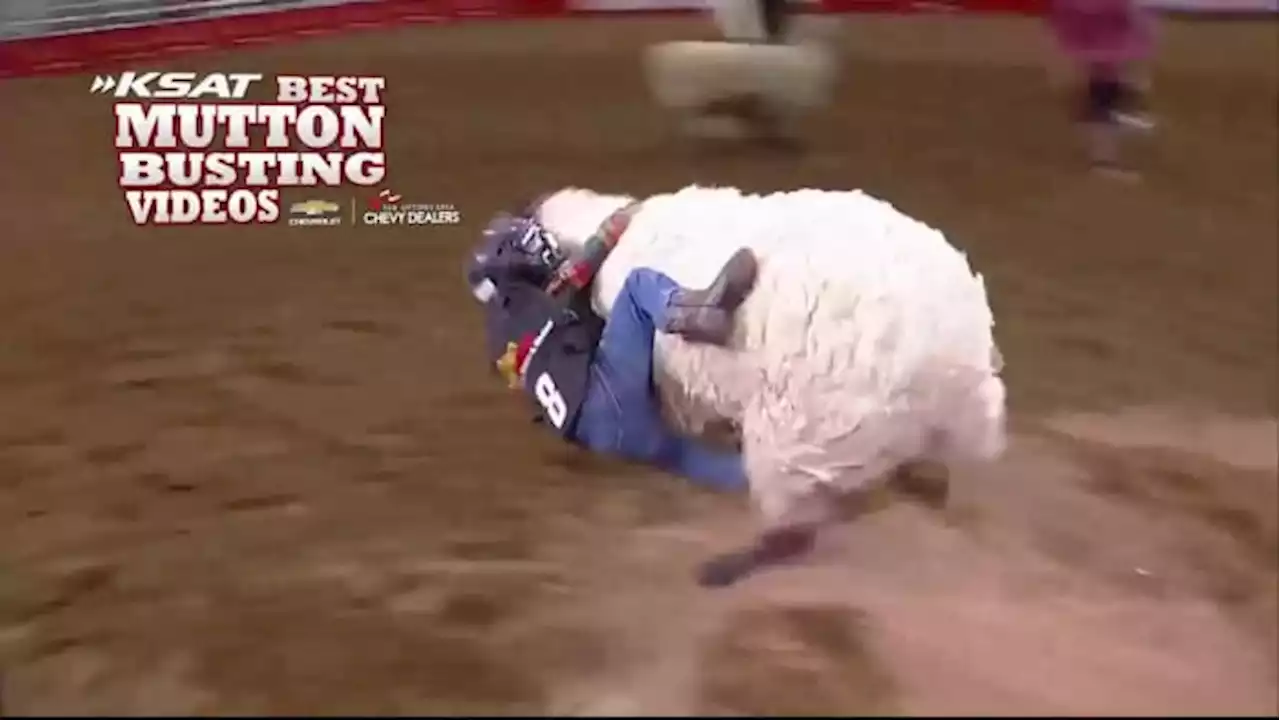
{"points": [[1103, 92], [1132, 112], [1104, 121], [630, 423]]}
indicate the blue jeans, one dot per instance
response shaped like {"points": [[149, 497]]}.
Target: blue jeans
{"points": [[621, 416]]}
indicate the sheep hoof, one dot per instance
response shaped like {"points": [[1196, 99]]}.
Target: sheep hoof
{"points": [[928, 483], [726, 569], [775, 547]]}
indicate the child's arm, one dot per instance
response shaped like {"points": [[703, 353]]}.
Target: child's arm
{"points": [[578, 275]]}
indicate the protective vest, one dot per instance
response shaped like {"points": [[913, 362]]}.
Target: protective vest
{"points": [[549, 345]]}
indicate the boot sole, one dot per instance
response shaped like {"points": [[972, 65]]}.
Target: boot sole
{"points": [[719, 301], [739, 278]]}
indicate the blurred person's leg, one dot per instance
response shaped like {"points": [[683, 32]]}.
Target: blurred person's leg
{"points": [[1104, 98]]}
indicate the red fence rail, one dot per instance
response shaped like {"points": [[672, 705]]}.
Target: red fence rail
{"points": [[112, 32]]}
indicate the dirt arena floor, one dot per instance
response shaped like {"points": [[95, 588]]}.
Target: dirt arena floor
{"points": [[265, 471]]}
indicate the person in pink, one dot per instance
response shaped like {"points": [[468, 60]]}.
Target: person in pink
{"points": [[1105, 38]]}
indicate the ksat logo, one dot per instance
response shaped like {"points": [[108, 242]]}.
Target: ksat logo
{"points": [[386, 209]]}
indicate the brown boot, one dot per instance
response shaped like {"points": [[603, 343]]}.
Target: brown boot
{"points": [[706, 316]]}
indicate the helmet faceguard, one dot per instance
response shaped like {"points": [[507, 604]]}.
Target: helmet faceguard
{"points": [[540, 246], [513, 247]]}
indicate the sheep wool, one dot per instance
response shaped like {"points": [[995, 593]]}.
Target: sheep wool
{"points": [[866, 343]]}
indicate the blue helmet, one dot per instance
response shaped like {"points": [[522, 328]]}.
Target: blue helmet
{"points": [[512, 247]]}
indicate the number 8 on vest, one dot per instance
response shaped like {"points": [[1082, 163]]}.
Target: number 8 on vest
{"points": [[549, 397]]}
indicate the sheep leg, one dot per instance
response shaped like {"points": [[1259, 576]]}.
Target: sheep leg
{"points": [[794, 508], [778, 546], [926, 480]]}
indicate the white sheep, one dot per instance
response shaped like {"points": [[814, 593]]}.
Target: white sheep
{"points": [[750, 85], [866, 344]]}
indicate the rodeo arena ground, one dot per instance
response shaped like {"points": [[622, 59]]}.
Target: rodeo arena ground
{"points": [[268, 469]]}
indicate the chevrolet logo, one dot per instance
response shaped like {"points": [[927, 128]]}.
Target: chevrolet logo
{"points": [[313, 208]]}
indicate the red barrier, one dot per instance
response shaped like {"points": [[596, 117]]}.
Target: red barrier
{"points": [[1002, 7], [1015, 7], [72, 53], [78, 52]]}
